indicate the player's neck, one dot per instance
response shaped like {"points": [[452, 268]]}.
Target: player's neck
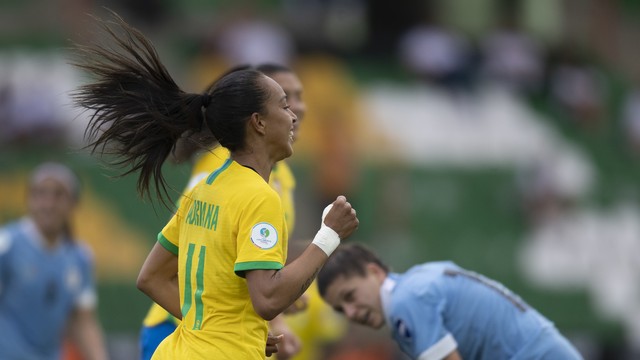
{"points": [[261, 166]]}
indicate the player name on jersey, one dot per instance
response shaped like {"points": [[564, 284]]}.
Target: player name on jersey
{"points": [[203, 214]]}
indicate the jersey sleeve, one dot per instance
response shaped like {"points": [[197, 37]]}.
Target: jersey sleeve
{"points": [[418, 326], [168, 237], [262, 235], [170, 234]]}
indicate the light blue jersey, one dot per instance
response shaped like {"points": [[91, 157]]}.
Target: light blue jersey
{"points": [[39, 288], [436, 308]]}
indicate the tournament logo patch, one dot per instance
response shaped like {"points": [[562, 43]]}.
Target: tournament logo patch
{"points": [[264, 235], [402, 329]]}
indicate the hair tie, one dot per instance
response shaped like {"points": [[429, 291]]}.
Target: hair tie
{"points": [[206, 100]]}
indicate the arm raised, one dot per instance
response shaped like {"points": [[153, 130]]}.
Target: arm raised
{"points": [[272, 291]]}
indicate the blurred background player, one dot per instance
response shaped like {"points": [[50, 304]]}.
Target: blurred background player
{"points": [[438, 310], [46, 275]]}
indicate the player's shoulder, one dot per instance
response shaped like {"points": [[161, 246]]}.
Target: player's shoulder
{"points": [[9, 233], [424, 280], [251, 185], [238, 182], [428, 270], [258, 193]]}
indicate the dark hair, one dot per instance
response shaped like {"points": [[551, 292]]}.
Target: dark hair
{"points": [[192, 141], [234, 98], [139, 112], [347, 260]]}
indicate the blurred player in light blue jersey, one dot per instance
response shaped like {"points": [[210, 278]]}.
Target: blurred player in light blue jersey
{"points": [[438, 310], [46, 280]]}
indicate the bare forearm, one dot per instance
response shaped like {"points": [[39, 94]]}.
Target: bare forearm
{"points": [[158, 279], [298, 276], [87, 335], [166, 295], [273, 291]]}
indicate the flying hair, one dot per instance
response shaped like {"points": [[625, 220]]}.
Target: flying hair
{"points": [[137, 111]]}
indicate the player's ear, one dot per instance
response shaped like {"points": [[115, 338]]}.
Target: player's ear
{"points": [[375, 270], [257, 122]]}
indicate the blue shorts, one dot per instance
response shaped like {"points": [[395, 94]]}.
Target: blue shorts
{"points": [[152, 336]]}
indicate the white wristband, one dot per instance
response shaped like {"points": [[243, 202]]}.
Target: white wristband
{"points": [[326, 239]]}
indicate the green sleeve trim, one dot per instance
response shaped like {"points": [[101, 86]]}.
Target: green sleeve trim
{"points": [[168, 245], [240, 268]]}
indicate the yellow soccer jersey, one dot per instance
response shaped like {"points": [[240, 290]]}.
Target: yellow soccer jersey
{"points": [[230, 223], [282, 180]]}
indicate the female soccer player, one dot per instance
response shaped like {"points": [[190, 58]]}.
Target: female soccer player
{"points": [[219, 262], [209, 156], [46, 275]]}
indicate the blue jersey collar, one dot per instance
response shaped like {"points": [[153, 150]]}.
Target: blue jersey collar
{"points": [[385, 294], [36, 238]]}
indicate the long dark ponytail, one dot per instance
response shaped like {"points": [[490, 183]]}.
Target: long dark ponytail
{"points": [[138, 111]]}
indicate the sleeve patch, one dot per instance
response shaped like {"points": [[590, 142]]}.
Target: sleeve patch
{"points": [[264, 235], [403, 330]]}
